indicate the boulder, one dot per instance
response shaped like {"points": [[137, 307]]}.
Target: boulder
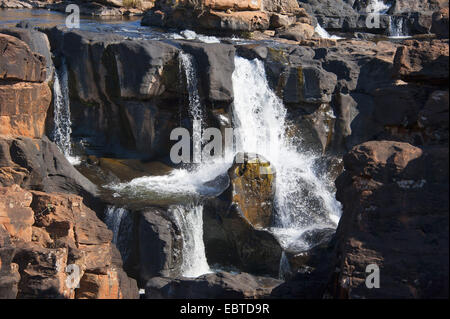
{"points": [[160, 245], [297, 32], [392, 193], [221, 285], [253, 188], [420, 61], [231, 241]]}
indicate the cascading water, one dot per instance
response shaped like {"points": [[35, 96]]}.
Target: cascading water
{"points": [[113, 219], [324, 34], [187, 64], [303, 199], [190, 220], [397, 27], [186, 183], [61, 105], [378, 6]]}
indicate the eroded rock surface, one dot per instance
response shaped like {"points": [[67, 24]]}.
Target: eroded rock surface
{"points": [[50, 232]]}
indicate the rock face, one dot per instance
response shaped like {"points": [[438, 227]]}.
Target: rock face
{"points": [[38, 164], [400, 193], [160, 245], [24, 96], [59, 243], [18, 62], [221, 285], [226, 15], [37, 41]]}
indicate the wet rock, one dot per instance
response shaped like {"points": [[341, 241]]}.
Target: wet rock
{"points": [[221, 285], [231, 241], [393, 193], [253, 188], [215, 66], [160, 246], [124, 94], [9, 274]]}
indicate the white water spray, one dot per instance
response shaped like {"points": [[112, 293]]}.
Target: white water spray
{"points": [[303, 199], [113, 219], [324, 34], [378, 6], [397, 28], [62, 130], [190, 220]]}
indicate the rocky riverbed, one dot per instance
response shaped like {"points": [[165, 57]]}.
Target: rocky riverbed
{"points": [[340, 158]]}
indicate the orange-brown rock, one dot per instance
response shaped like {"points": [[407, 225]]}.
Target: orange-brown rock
{"points": [[58, 243], [226, 15], [238, 5], [423, 61], [16, 216], [23, 109], [239, 20], [100, 286], [18, 62]]}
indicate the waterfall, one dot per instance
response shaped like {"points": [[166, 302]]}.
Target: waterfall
{"points": [[324, 34], [190, 220], [285, 268], [397, 27], [303, 198], [61, 108], [378, 6], [113, 219], [187, 64]]}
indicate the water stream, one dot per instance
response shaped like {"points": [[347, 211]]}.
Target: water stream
{"points": [[61, 109]]}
